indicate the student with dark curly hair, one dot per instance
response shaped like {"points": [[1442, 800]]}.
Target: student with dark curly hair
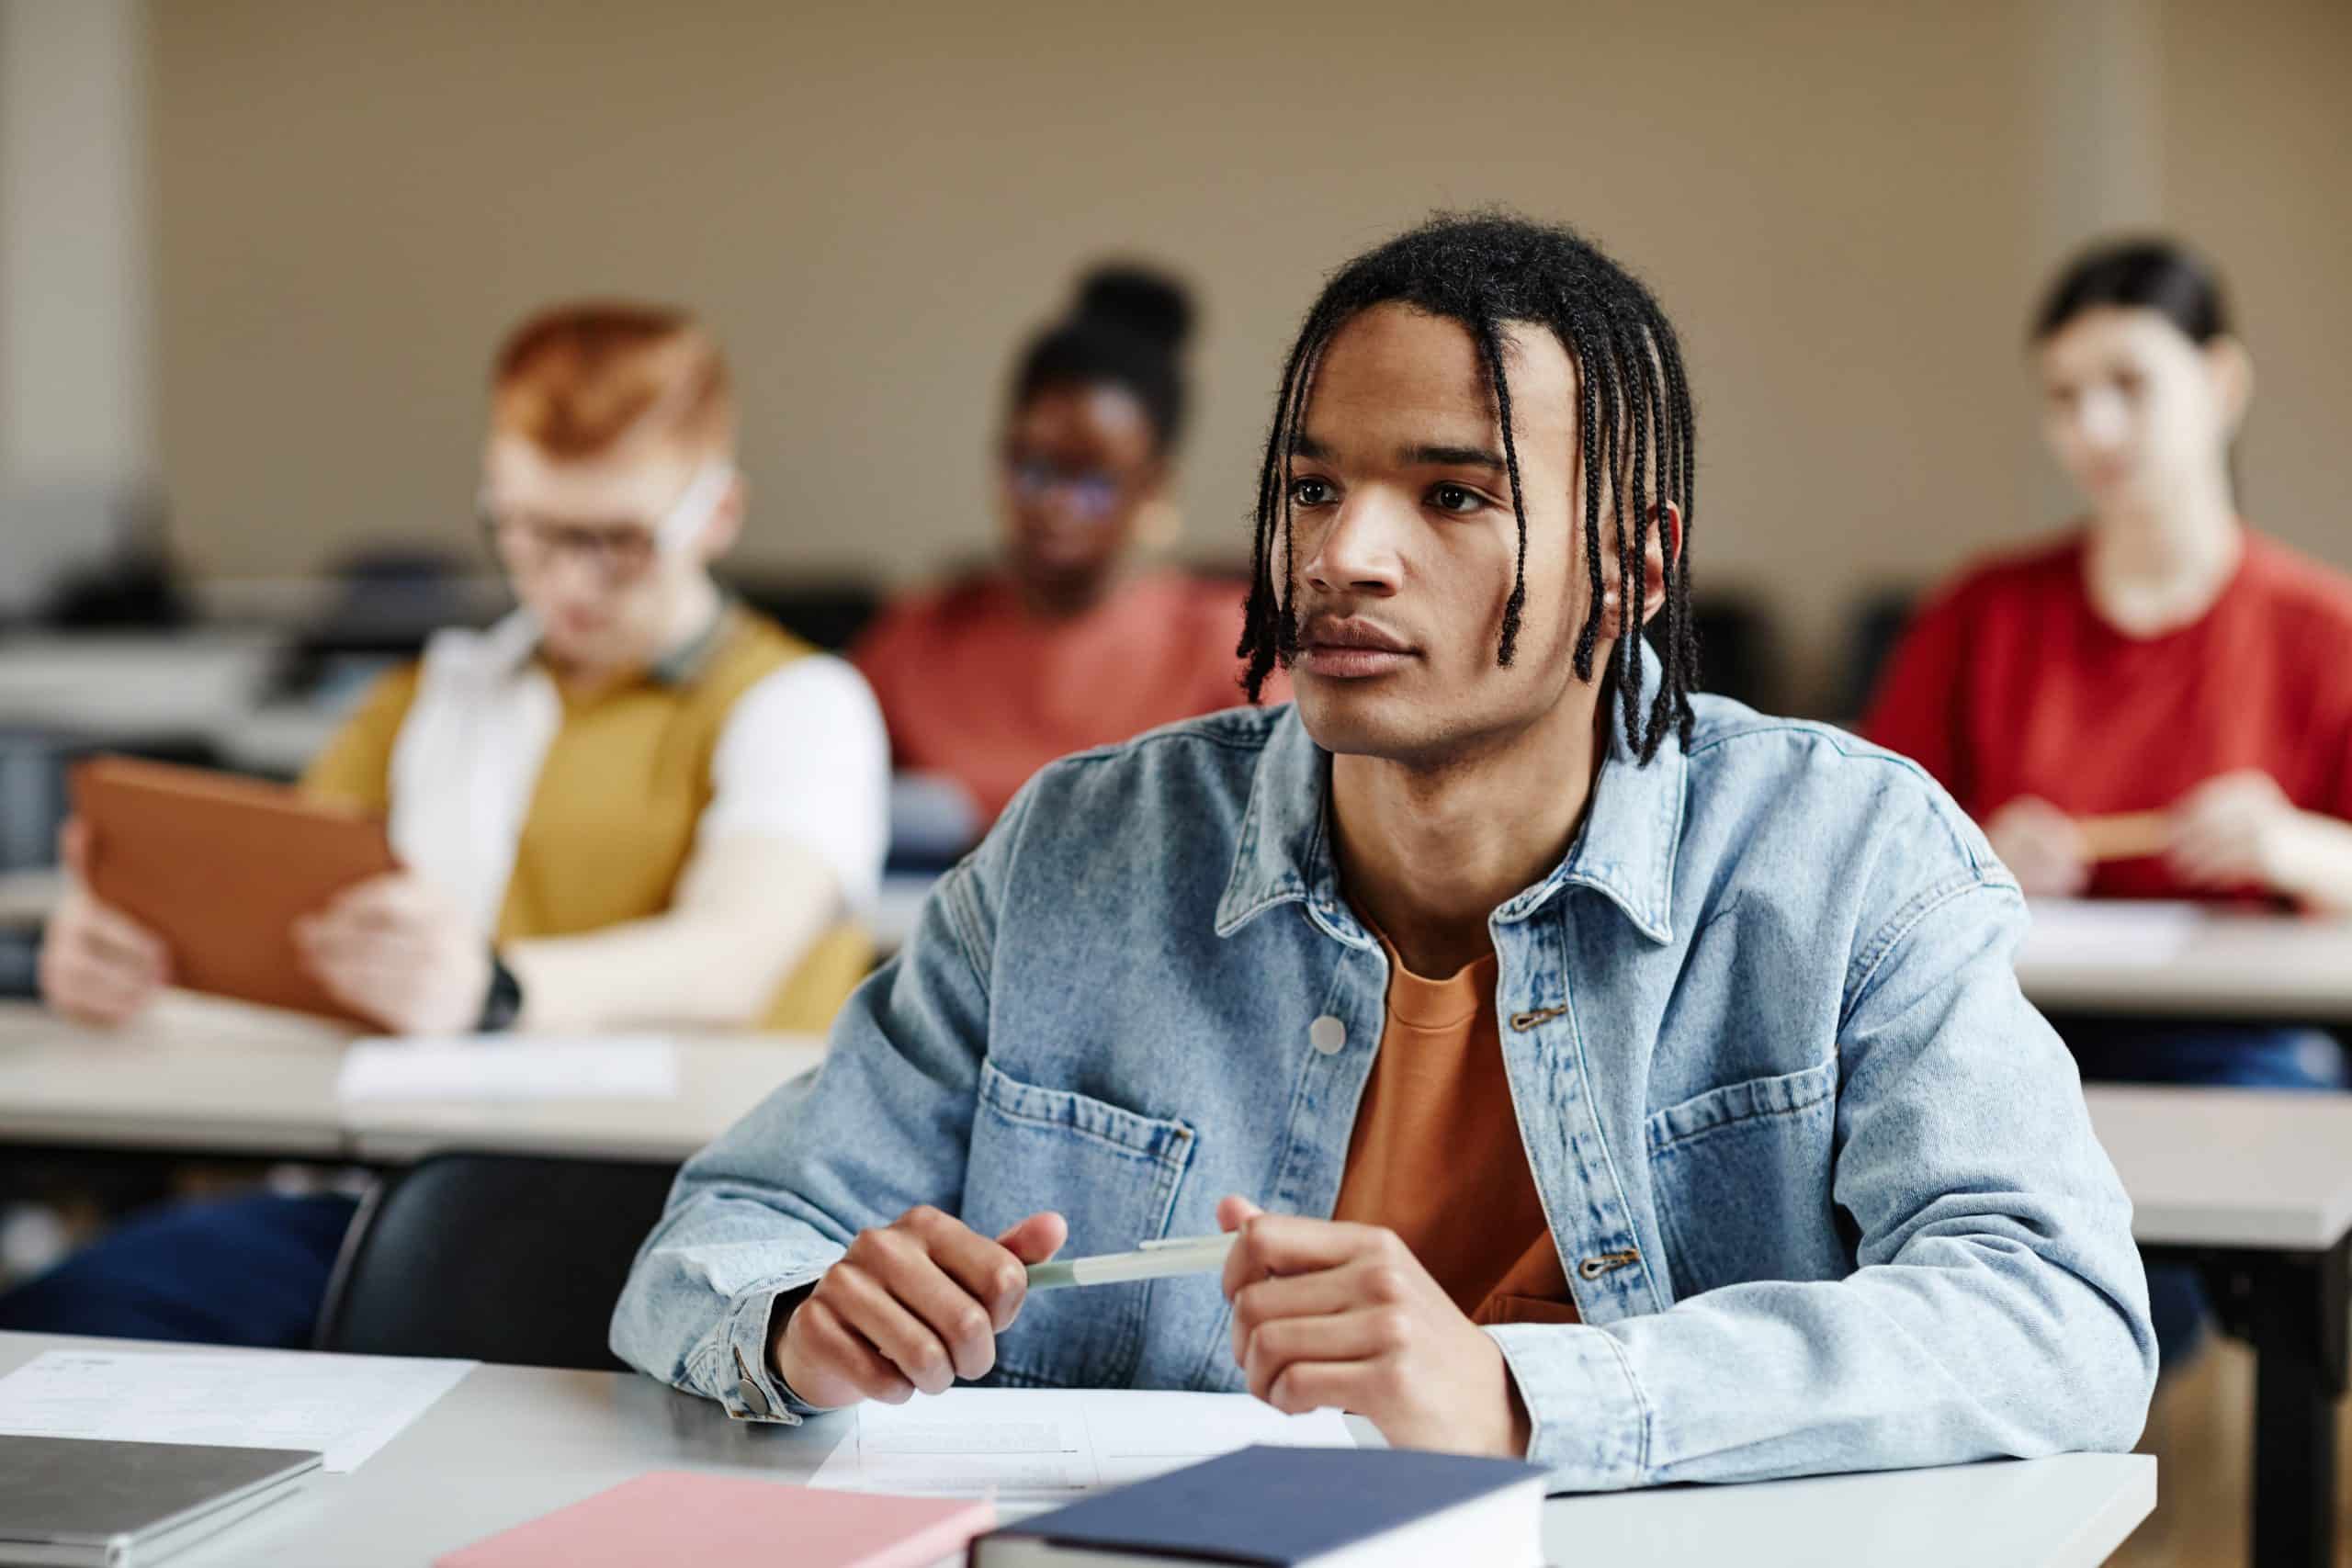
{"points": [[1585, 1069], [1067, 644]]}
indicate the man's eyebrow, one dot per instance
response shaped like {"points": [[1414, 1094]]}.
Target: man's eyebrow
{"points": [[1450, 458], [1427, 456]]}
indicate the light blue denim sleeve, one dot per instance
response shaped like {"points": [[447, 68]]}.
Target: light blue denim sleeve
{"points": [[881, 1127], [1999, 1307]]}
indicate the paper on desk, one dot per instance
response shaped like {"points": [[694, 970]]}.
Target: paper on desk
{"points": [[2126, 932], [1046, 1445], [344, 1406], [510, 1068]]}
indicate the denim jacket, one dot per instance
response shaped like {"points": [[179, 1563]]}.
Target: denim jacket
{"points": [[1821, 1178]]}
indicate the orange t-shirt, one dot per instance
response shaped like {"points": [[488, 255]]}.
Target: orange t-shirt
{"points": [[1436, 1156], [973, 685]]}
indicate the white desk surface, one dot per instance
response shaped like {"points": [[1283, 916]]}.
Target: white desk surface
{"points": [[105, 685], [28, 897], [2167, 961], [199, 1075], [279, 738], [2230, 1167], [510, 1443], [718, 1080], [195, 1074]]}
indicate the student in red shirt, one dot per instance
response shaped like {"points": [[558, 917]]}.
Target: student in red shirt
{"points": [[1066, 644], [2158, 704]]}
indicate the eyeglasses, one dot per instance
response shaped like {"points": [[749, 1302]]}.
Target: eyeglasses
{"points": [[1093, 494], [619, 552]]}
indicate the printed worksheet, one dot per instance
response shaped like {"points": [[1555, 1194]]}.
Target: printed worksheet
{"points": [[1025, 1446], [346, 1408]]}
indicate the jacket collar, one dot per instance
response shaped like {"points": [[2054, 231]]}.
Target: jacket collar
{"points": [[1625, 852]]}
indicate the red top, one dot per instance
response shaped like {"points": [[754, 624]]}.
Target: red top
{"points": [[973, 685], [2010, 684]]}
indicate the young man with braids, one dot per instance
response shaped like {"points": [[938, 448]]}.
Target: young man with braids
{"points": [[1725, 1147]]}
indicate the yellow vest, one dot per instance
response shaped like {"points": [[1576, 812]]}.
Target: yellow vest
{"points": [[613, 813]]}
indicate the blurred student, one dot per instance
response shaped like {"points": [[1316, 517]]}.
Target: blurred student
{"points": [[2159, 703], [1067, 644], [630, 802]]}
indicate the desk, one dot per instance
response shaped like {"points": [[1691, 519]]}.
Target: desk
{"points": [[719, 1078], [202, 1076], [2177, 962], [510, 1443], [28, 897], [195, 1075], [126, 687], [2255, 1187]]}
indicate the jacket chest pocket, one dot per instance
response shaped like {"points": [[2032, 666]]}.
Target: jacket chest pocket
{"points": [[1742, 1176], [1113, 1174]]}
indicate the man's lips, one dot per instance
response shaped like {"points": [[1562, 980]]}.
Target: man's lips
{"points": [[1352, 649]]}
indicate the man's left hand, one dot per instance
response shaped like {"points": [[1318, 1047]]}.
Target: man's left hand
{"points": [[1326, 1314], [398, 951]]}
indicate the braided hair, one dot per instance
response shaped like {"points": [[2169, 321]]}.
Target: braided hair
{"points": [[1486, 270]]}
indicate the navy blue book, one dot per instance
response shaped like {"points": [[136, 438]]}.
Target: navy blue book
{"points": [[1276, 1507]]}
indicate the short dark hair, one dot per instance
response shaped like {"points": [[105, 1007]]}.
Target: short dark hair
{"points": [[1126, 329], [2158, 275], [1485, 270]]}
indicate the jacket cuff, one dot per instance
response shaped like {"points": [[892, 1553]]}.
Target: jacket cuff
{"points": [[742, 1378], [1589, 1424]]}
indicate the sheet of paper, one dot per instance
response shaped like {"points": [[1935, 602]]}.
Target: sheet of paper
{"points": [[346, 1408], [1025, 1446], [2126, 932], [520, 1068]]}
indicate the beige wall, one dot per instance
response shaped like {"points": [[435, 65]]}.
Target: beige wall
{"points": [[1839, 203], [2258, 171]]}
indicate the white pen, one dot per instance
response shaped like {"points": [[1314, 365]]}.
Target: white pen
{"points": [[1151, 1260]]}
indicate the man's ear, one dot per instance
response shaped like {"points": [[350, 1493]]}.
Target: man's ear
{"points": [[725, 525], [1664, 545]]}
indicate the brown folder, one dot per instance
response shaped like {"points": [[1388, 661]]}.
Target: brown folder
{"points": [[221, 868]]}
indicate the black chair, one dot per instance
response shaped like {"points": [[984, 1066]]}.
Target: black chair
{"points": [[1878, 625], [1739, 651], [494, 1257], [829, 612]]}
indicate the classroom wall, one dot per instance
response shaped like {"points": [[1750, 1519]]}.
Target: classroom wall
{"points": [[2258, 170], [1845, 206], [76, 375]]}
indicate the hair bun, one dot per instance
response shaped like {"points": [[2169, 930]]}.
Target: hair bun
{"points": [[1150, 304]]}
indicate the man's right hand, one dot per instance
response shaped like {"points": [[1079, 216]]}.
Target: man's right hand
{"points": [[913, 1305], [2042, 847], [97, 964]]}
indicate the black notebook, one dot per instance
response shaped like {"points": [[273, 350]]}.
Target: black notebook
{"points": [[1278, 1507], [69, 1501]]}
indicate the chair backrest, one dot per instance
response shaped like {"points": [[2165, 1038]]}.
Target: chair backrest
{"points": [[495, 1258]]}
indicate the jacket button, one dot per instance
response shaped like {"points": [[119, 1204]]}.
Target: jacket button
{"points": [[1328, 1034]]}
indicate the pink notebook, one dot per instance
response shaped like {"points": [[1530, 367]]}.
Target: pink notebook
{"points": [[674, 1516]]}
